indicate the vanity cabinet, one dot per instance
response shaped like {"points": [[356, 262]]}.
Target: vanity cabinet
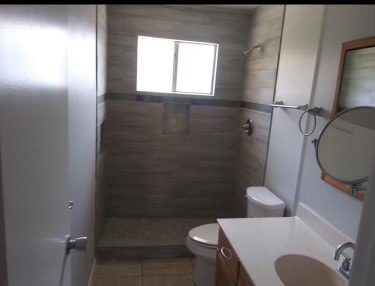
{"points": [[229, 271], [244, 279], [223, 277]]}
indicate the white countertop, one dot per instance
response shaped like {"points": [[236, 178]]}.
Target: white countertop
{"points": [[258, 242]]}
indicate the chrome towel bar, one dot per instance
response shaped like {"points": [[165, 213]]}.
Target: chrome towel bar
{"points": [[282, 105], [314, 111]]}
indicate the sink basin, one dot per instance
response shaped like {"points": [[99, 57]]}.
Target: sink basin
{"points": [[297, 270]]}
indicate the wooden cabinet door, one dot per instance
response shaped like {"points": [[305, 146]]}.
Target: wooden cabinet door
{"points": [[244, 279], [223, 277], [229, 271], [228, 257]]}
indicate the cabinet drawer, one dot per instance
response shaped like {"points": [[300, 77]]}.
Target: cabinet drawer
{"points": [[228, 257], [244, 279]]}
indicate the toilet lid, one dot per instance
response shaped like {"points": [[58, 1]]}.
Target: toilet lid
{"points": [[206, 234]]}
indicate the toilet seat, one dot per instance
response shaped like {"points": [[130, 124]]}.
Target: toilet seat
{"points": [[202, 240], [206, 235]]}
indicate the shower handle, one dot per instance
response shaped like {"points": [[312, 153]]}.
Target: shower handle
{"points": [[248, 127]]}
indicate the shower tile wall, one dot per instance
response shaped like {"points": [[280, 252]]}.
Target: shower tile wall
{"points": [[151, 173], [195, 23], [101, 89], [260, 80]]}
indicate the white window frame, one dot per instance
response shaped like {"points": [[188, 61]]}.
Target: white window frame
{"points": [[175, 67]]}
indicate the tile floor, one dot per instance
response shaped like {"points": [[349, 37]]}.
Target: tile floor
{"points": [[144, 272]]}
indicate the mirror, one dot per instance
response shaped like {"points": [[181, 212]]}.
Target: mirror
{"points": [[355, 86], [346, 146]]}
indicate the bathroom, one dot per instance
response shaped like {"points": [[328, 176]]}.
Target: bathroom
{"points": [[154, 162]]}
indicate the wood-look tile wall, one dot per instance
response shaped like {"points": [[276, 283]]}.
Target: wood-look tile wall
{"points": [[205, 170], [101, 89], [194, 23], [259, 86], [153, 173]]}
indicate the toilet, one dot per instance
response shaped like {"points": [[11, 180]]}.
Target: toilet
{"points": [[202, 240]]}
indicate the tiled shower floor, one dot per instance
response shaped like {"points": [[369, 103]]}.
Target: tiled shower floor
{"points": [[146, 237]]}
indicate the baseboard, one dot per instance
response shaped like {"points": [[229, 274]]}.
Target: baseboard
{"points": [[92, 274]]}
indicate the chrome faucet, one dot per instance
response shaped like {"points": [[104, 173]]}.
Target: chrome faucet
{"points": [[345, 267]]}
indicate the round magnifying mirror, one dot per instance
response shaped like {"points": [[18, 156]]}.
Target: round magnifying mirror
{"points": [[346, 146]]}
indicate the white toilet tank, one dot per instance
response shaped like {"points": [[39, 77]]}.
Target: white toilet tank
{"points": [[261, 202]]}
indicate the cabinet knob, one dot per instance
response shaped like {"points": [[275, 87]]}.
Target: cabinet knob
{"points": [[226, 253]]}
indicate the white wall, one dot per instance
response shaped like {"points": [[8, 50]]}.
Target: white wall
{"points": [[342, 23], [299, 48], [311, 45]]}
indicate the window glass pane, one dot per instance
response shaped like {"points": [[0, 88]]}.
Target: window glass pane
{"points": [[155, 64], [195, 68]]}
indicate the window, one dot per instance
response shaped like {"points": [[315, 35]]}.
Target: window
{"points": [[173, 66]]}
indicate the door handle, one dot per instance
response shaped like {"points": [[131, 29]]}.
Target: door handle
{"points": [[78, 244]]}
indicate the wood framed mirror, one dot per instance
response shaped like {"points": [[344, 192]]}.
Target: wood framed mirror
{"points": [[355, 86]]}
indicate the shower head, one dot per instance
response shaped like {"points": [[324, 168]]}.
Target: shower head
{"points": [[256, 47]]}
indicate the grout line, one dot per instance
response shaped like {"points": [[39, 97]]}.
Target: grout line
{"points": [[142, 282], [169, 275], [164, 275], [142, 269]]}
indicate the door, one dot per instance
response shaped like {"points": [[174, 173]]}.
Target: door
{"points": [[34, 143], [47, 141]]}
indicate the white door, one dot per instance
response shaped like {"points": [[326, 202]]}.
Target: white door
{"points": [[39, 130], [34, 143]]}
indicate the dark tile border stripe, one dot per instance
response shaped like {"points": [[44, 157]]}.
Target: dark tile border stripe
{"points": [[256, 106], [215, 102], [193, 101]]}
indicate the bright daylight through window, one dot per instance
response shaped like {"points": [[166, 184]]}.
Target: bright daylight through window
{"points": [[174, 66]]}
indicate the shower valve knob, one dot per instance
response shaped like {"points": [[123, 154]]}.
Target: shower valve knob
{"points": [[249, 127]]}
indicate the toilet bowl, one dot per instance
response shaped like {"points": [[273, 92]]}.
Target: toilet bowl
{"points": [[202, 240]]}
